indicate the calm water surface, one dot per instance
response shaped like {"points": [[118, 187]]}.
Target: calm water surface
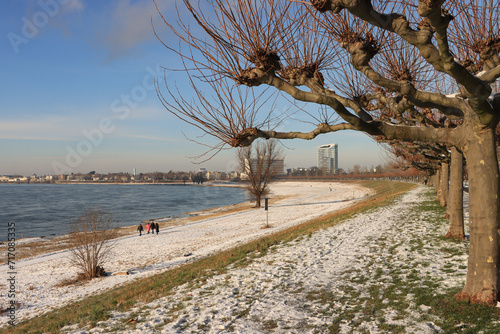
{"points": [[47, 209]]}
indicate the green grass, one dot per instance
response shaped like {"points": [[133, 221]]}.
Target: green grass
{"points": [[402, 282], [96, 308], [472, 318]]}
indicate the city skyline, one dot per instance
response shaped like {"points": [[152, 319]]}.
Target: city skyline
{"points": [[79, 95]]}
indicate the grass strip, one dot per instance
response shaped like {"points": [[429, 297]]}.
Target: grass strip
{"points": [[96, 308], [408, 295]]}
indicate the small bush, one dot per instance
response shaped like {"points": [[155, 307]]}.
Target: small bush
{"points": [[91, 238]]}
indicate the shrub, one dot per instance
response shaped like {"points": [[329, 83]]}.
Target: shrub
{"points": [[91, 238]]}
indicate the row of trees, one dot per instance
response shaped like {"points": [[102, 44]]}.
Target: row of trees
{"points": [[408, 73], [355, 170], [152, 176], [447, 173]]}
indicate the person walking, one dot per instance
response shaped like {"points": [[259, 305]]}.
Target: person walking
{"points": [[157, 227], [153, 224], [140, 229], [148, 227]]}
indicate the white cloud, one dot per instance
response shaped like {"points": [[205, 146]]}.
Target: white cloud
{"points": [[58, 14], [155, 138], [36, 129], [128, 26], [73, 5], [67, 15], [48, 127]]}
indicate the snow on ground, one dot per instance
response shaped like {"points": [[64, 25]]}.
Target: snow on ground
{"points": [[339, 280], [37, 278]]}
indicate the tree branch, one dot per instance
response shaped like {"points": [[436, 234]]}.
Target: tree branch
{"points": [[491, 75], [399, 25], [449, 106], [447, 136], [322, 99], [248, 136]]}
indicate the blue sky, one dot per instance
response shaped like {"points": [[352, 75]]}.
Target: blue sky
{"points": [[77, 94]]}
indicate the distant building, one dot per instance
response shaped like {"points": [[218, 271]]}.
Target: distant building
{"points": [[278, 165], [328, 158]]}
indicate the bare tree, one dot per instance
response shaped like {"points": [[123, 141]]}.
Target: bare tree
{"points": [[260, 163], [91, 237], [416, 71]]}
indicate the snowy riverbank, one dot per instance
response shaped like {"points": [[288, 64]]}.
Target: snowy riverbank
{"points": [[37, 278], [360, 276]]}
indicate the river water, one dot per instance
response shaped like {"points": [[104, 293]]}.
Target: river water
{"points": [[48, 209]]}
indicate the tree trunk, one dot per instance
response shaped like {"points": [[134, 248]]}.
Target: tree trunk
{"points": [[444, 183], [435, 181], [437, 185], [257, 200], [482, 273], [455, 197]]}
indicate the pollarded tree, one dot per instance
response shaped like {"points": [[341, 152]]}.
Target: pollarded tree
{"points": [[383, 68], [425, 158]]}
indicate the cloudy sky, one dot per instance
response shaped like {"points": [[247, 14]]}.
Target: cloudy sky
{"points": [[78, 95]]}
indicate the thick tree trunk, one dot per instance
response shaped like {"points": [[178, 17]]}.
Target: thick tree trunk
{"points": [[444, 183], [455, 197], [482, 272]]}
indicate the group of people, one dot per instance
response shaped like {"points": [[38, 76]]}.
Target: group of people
{"points": [[150, 227]]}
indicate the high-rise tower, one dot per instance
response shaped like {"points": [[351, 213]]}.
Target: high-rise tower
{"points": [[328, 158]]}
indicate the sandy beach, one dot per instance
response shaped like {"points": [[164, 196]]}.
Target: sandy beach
{"points": [[38, 277]]}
